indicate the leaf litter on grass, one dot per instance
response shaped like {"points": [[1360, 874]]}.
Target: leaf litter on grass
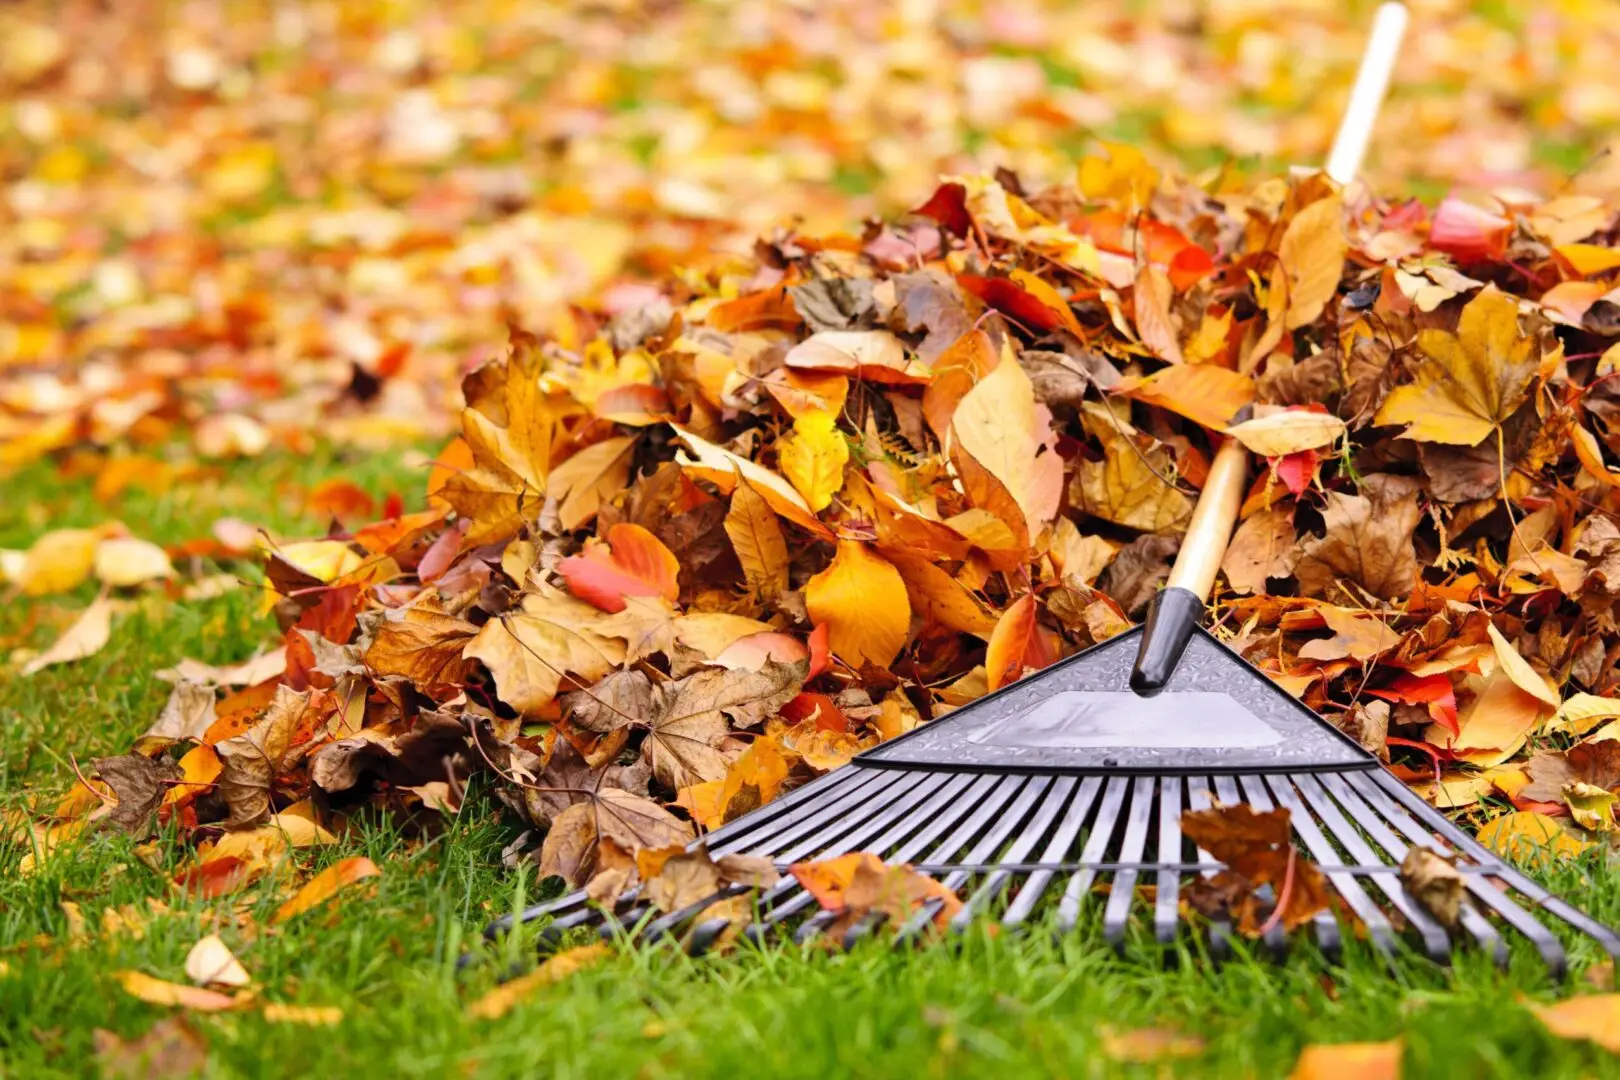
{"points": [[725, 514]]}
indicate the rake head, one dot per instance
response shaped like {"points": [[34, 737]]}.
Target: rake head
{"points": [[1029, 801]]}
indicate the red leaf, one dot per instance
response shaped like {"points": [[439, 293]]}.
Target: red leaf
{"points": [[1296, 470], [828, 716], [820, 649], [1467, 233], [1435, 691], [632, 562], [948, 206], [1007, 297]]}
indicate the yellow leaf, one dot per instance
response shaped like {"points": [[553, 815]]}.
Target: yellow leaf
{"points": [[314, 1015], [1312, 254], [1526, 836], [86, 637], [1590, 259], [158, 992], [1595, 1017], [1583, 712], [721, 467], [995, 425], [756, 537], [1349, 1061], [503, 999], [57, 562], [1131, 485], [1122, 176], [326, 884], [813, 458], [862, 600], [1287, 432], [1203, 393], [529, 650], [1517, 668], [590, 477], [1468, 382], [125, 560]]}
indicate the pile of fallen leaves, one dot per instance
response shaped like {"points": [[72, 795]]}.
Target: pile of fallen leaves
{"points": [[250, 225], [697, 552]]}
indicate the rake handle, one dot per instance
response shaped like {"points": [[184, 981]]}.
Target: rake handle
{"points": [[1177, 608]]}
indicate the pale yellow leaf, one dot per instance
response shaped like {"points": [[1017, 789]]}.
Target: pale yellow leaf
{"points": [[1288, 432], [85, 637], [504, 998], [211, 963]]}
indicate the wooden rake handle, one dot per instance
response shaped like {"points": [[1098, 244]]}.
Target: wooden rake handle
{"points": [[1179, 606]]}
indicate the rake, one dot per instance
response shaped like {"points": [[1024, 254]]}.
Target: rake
{"points": [[1066, 790]]}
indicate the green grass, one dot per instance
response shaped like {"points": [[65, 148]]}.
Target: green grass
{"points": [[386, 952]]}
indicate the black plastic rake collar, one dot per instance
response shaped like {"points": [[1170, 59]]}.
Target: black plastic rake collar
{"points": [[1025, 810]]}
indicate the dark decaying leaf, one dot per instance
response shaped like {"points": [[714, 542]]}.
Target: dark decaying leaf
{"points": [[1258, 851], [138, 784]]}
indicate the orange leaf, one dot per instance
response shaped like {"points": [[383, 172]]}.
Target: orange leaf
{"points": [[1204, 393], [1595, 1017], [325, 885], [1015, 644], [341, 499], [158, 992], [1349, 1061], [633, 562]]}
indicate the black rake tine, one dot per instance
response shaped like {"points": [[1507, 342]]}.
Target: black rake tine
{"points": [[1036, 828], [1539, 897], [1117, 912], [1435, 941], [1166, 896], [1102, 833], [1074, 817], [1326, 930]]}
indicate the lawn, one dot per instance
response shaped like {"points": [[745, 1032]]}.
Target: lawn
{"points": [[388, 955]]}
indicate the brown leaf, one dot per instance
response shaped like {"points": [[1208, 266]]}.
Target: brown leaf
{"points": [[138, 785], [1433, 881], [250, 762], [693, 716], [1264, 546], [1132, 485], [1257, 848], [756, 536], [1368, 541], [573, 847], [1356, 634], [623, 698], [170, 1049], [422, 643]]}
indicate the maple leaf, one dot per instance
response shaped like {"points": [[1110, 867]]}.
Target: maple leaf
{"points": [[1468, 383], [422, 643], [251, 762], [530, 650], [1368, 541], [609, 821], [693, 716], [859, 884]]}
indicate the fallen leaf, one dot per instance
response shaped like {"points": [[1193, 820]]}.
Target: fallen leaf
{"points": [[506, 997], [124, 561], [1149, 1046], [1264, 546], [1467, 383], [1433, 881], [813, 458], [325, 885], [86, 636], [1517, 668], [995, 425], [694, 715], [211, 963], [312, 1015], [1131, 485], [1527, 837], [1595, 1018], [171, 1048], [1288, 432], [157, 992], [1257, 848], [1368, 541], [1350, 1061], [862, 601], [1203, 393], [530, 650], [1312, 255], [1015, 645], [573, 848], [756, 537], [59, 561], [631, 562]]}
